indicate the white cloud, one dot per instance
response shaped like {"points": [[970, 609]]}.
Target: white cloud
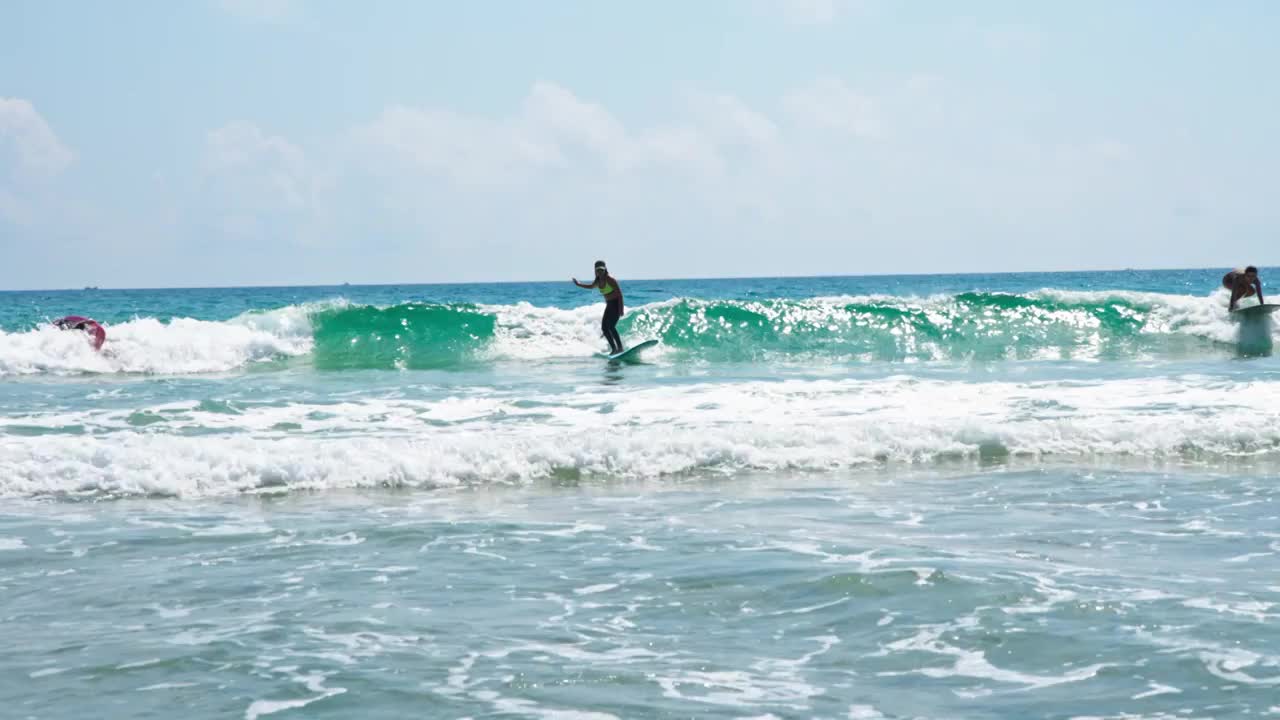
{"points": [[33, 148], [560, 117], [554, 130], [560, 173], [258, 188], [811, 12], [469, 151], [829, 103], [568, 119], [11, 210], [1006, 38], [681, 147], [31, 156], [1113, 150], [262, 11], [260, 169], [730, 119]]}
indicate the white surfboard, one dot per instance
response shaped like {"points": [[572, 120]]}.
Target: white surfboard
{"points": [[631, 354], [1255, 310]]}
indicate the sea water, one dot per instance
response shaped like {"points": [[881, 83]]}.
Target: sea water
{"points": [[981, 496]]}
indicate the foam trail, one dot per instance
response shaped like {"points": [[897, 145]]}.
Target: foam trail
{"points": [[708, 428], [146, 345], [527, 332]]}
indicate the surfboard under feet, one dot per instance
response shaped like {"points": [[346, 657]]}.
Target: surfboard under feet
{"points": [[631, 353], [1255, 310]]}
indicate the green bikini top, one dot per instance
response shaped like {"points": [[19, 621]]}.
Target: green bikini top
{"points": [[607, 289]]}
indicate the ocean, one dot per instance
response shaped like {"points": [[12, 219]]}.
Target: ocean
{"points": [[1041, 495]]}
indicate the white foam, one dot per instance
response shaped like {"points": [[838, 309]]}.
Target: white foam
{"points": [[776, 681], [528, 708], [1157, 689], [139, 664], [1161, 313], [167, 686], [259, 708], [1226, 662], [1255, 609], [796, 425], [313, 682], [1229, 664], [1201, 316], [735, 688], [527, 332], [974, 663], [146, 345]]}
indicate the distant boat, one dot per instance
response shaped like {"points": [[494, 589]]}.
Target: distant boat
{"points": [[91, 287]]}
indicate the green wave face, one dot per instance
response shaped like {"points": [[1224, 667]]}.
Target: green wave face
{"points": [[970, 326], [965, 327], [409, 336]]}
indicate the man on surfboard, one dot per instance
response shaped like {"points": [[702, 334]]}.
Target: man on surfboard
{"points": [[1242, 284], [612, 293]]}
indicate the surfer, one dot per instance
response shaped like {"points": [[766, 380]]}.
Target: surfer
{"points": [[1242, 284], [612, 293], [97, 334]]}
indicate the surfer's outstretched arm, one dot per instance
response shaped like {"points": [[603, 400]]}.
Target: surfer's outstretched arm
{"points": [[584, 286], [1257, 283]]}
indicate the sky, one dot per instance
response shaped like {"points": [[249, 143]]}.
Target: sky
{"points": [[243, 142]]}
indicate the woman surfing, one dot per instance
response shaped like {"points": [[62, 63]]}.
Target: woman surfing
{"points": [[612, 292]]}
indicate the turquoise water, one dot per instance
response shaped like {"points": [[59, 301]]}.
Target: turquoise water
{"points": [[1004, 496]]}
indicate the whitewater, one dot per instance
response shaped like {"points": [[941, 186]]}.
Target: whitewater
{"points": [[1005, 496], [339, 334]]}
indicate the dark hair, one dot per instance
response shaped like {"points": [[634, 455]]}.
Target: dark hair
{"points": [[1251, 269], [599, 264]]}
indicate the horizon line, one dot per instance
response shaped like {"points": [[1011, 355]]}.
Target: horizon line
{"points": [[91, 288]]}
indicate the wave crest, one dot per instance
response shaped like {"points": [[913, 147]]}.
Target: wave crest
{"points": [[979, 326]]}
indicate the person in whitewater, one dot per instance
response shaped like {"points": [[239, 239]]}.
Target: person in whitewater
{"points": [[612, 293], [97, 334], [1242, 284]]}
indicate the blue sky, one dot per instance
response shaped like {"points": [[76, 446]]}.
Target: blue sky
{"points": [[230, 142]]}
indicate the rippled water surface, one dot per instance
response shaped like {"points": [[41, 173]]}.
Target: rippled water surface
{"points": [[1037, 496], [997, 592]]}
